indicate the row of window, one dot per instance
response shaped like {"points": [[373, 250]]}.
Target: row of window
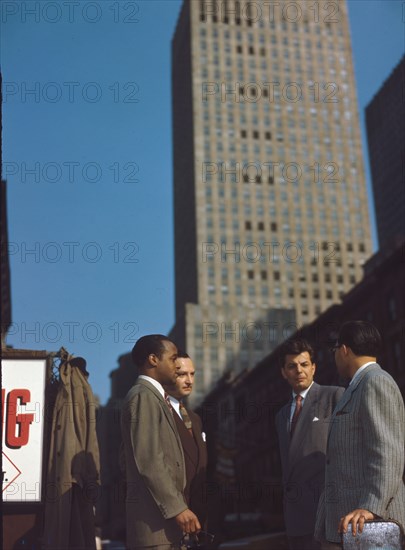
{"points": [[286, 25], [303, 292], [256, 135]]}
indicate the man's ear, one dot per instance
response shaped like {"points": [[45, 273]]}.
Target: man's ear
{"points": [[153, 359], [346, 349]]}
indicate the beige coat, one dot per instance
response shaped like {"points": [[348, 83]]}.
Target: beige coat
{"points": [[72, 484]]}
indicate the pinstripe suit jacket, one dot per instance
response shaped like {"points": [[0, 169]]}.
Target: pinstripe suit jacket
{"points": [[303, 457], [365, 453]]}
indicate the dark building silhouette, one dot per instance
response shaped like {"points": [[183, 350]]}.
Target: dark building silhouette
{"points": [[5, 296], [385, 121]]}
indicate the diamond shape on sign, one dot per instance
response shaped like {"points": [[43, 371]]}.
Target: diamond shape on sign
{"points": [[10, 472]]}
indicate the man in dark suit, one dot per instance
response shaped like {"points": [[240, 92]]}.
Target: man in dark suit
{"points": [[365, 452], [192, 438], [302, 426], [156, 510]]}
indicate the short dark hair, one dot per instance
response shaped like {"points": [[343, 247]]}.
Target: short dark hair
{"points": [[295, 347], [361, 337], [146, 345], [181, 354]]}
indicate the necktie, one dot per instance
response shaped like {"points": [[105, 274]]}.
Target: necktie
{"points": [[297, 412], [168, 402], [186, 418]]}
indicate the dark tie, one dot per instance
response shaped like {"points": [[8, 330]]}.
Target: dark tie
{"points": [[186, 418], [297, 412]]}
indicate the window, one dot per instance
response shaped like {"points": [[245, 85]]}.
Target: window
{"points": [[273, 226]]}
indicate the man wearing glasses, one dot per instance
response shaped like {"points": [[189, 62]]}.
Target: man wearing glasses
{"points": [[365, 453], [302, 426]]}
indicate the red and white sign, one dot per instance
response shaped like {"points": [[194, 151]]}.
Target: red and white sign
{"points": [[23, 406]]}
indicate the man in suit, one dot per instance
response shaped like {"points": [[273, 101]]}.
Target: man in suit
{"points": [[156, 510], [302, 426], [365, 453], [192, 439]]}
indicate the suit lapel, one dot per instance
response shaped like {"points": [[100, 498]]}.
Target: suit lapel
{"points": [[166, 410], [285, 432], [188, 442]]}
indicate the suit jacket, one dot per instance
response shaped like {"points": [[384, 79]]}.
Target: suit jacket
{"points": [[303, 456], [155, 470], [365, 455], [195, 456]]}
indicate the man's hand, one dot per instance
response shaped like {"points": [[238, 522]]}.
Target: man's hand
{"points": [[188, 522], [359, 517]]}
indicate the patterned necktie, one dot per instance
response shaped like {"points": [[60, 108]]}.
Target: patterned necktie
{"points": [[186, 418], [169, 404], [297, 412]]}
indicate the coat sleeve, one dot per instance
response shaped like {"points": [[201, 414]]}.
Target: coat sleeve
{"points": [[156, 453], [383, 422]]}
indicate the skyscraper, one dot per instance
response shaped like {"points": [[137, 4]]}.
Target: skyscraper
{"points": [[385, 120], [270, 205]]}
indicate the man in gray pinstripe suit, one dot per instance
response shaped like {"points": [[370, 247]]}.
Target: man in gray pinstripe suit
{"points": [[366, 442]]}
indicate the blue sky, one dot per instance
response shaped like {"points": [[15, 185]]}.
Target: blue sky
{"points": [[87, 156]]}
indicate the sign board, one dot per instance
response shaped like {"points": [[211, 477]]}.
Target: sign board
{"points": [[23, 419]]}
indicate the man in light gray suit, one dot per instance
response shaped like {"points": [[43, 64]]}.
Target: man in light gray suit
{"points": [[302, 426], [156, 509], [365, 453]]}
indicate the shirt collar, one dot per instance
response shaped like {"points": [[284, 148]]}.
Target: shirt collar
{"points": [[358, 371], [154, 383], [175, 404]]}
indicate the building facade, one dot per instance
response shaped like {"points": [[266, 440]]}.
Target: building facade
{"points": [[270, 205], [385, 121]]}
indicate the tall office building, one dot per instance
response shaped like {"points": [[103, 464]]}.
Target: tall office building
{"points": [[270, 205], [385, 120]]}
